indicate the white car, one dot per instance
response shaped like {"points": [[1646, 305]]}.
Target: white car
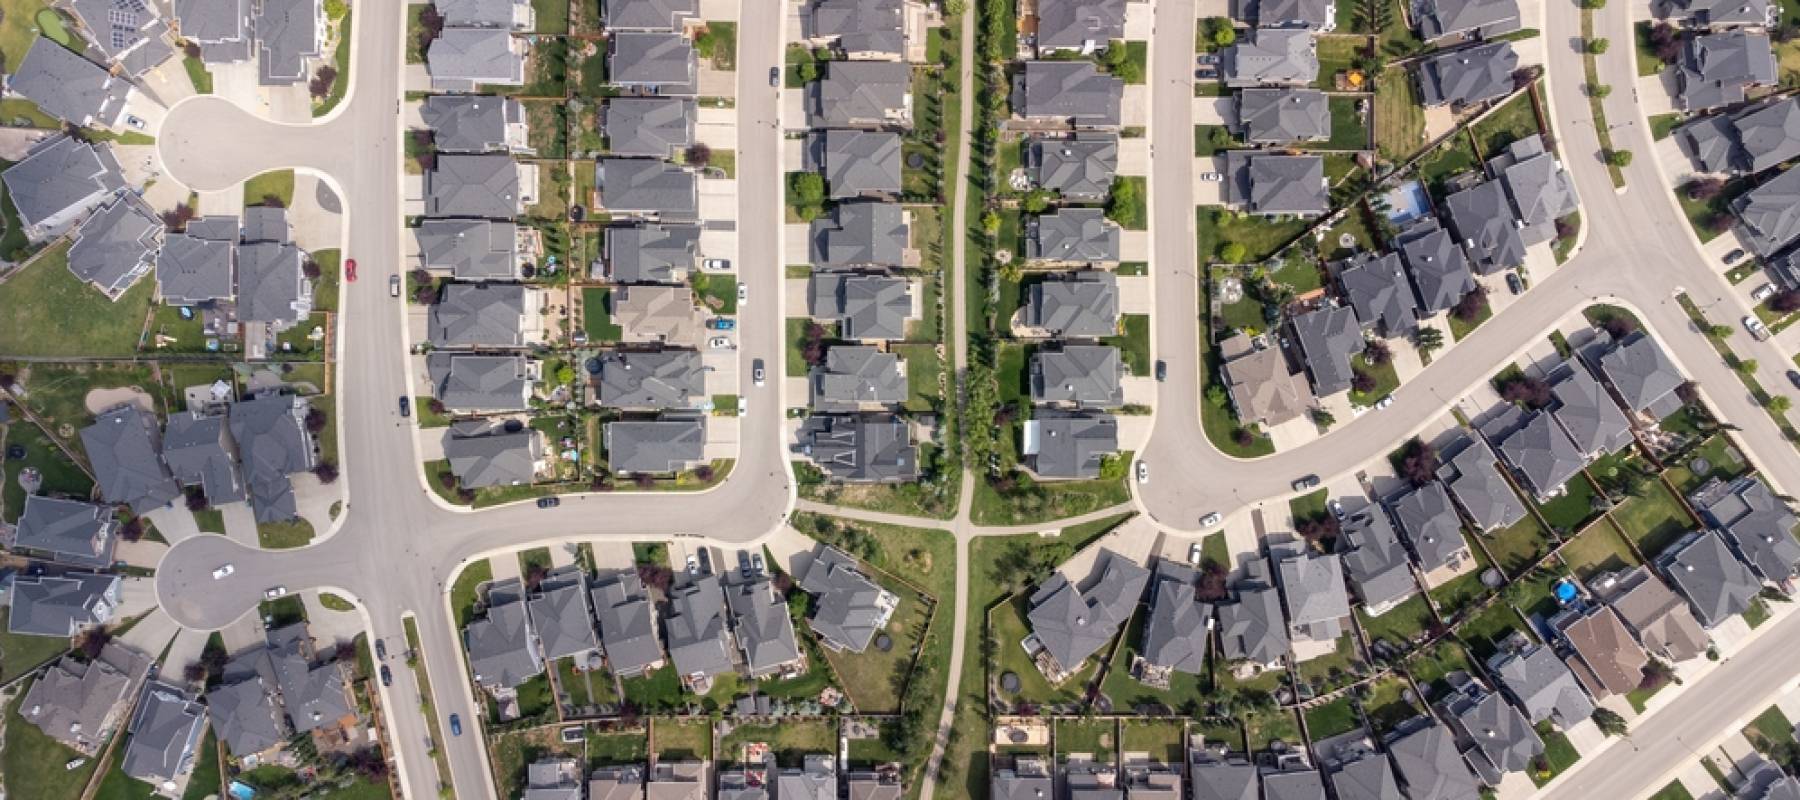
{"points": [[717, 263], [1336, 506], [718, 343], [743, 294], [1194, 554], [1756, 327], [1211, 177], [1210, 520], [1143, 472], [223, 572], [1763, 292], [275, 591], [1384, 402], [693, 564], [134, 122]]}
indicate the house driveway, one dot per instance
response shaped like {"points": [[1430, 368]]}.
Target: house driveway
{"points": [[1138, 390], [16, 142], [1140, 21], [1132, 540], [793, 109], [315, 227], [175, 523], [612, 554], [240, 523], [432, 442], [1135, 109], [1293, 433], [1134, 431], [794, 246], [506, 565], [1134, 295], [717, 128], [152, 633], [722, 436], [718, 199], [1215, 111], [143, 552], [169, 82], [1134, 245], [722, 10], [330, 627], [1134, 157], [716, 83]]}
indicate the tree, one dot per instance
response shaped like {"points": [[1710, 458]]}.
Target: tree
{"points": [[1318, 528], [1242, 437], [990, 222], [565, 375], [311, 270], [1215, 394], [1233, 252], [1618, 158], [1361, 381], [1593, 5], [1609, 722], [1037, 201], [1719, 331], [177, 218], [1376, 352], [326, 472], [698, 154], [322, 82], [315, 420], [1705, 188], [1323, 418], [1470, 307], [132, 530], [1746, 366], [1119, 62], [1126, 205], [1419, 462], [955, 7], [1598, 46], [1526, 391], [1428, 339], [1665, 41], [808, 189], [1780, 403], [1599, 90], [1220, 32], [807, 71], [196, 499], [1786, 301], [812, 348]]}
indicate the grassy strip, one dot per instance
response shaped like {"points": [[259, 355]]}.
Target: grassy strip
{"points": [[428, 708], [1590, 68], [1762, 396]]}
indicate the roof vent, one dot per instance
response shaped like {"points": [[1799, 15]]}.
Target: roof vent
{"points": [[1688, 567]]}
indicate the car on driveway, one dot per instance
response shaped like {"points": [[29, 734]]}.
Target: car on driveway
{"points": [[1196, 554], [1513, 284], [717, 263], [1763, 292], [223, 572], [350, 270], [1211, 177], [387, 676], [1733, 256], [275, 592], [455, 725], [549, 502], [133, 121], [722, 324], [718, 343], [1305, 482]]}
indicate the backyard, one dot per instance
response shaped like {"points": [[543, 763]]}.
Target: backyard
{"points": [[45, 296]]}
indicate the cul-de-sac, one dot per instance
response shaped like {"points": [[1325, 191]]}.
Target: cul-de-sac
{"points": [[899, 399]]}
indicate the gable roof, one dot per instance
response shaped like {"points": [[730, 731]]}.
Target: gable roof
{"points": [[1082, 165], [1028, 779], [1661, 619], [1429, 763], [69, 87], [472, 185], [1267, 183], [272, 444], [73, 701], [465, 58], [272, 286], [860, 447], [560, 615], [1314, 14], [1715, 69], [1468, 76], [288, 35], [1378, 292], [1088, 376], [61, 178], [1758, 525], [1642, 375], [1080, 305], [1497, 737], [1293, 784], [1751, 140], [648, 186], [1180, 627], [1281, 115], [1221, 778], [854, 375], [862, 233], [125, 448], [500, 644], [860, 93], [1072, 623], [655, 313], [69, 530], [1430, 525], [660, 15], [1072, 235], [651, 253], [1769, 215], [1713, 580], [858, 26], [1440, 18], [1483, 218], [1271, 56], [1437, 266], [464, 381], [855, 162], [658, 379], [627, 621], [471, 249], [1542, 452], [760, 620], [658, 127], [479, 315], [1606, 659], [192, 270], [867, 307], [1541, 190], [1327, 337], [199, 451], [499, 458], [62, 605], [165, 733], [659, 445], [696, 627], [1263, 388], [1079, 23], [1373, 556], [1075, 91], [1587, 413], [1370, 777], [1312, 587], [491, 13], [1075, 444], [471, 123], [221, 27], [1542, 685], [850, 608], [1253, 629]]}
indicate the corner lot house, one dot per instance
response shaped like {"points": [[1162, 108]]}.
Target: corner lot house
{"points": [[1065, 444], [165, 736], [80, 703], [58, 182], [860, 448], [850, 608], [1710, 576], [1069, 623], [70, 531], [1264, 389], [273, 443], [62, 605], [660, 446], [69, 87], [1661, 619]]}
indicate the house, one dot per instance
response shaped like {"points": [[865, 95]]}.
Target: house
{"points": [[486, 315], [861, 94], [560, 615], [651, 253], [1271, 57], [656, 314], [761, 623], [1542, 192], [855, 163], [483, 455], [1718, 69], [1252, 629], [474, 185], [1179, 631], [1028, 778], [648, 15], [165, 736], [514, 14], [1587, 413], [69, 87], [199, 451], [469, 249], [69, 531], [663, 445], [116, 246], [465, 59], [677, 780], [1069, 623], [221, 28], [553, 779], [860, 448], [1482, 217], [272, 444], [873, 786], [1088, 778], [79, 702], [1215, 773], [859, 29], [262, 223], [648, 188], [1327, 337], [125, 447], [473, 123], [126, 33], [627, 619], [1542, 455], [1263, 389], [1660, 618], [246, 715], [62, 605], [861, 234], [1074, 305], [469, 383], [1315, 15], [1605, 657], [865, 307], [857, 377], [1541, 685], [1374, 558], [616, 783], [850, 609], [1428, 761], [1462, 78], [1152, 780], [1080, 26], [1431, 529], [1744, 142], [1075, 94], [501, 648], [816, 780], [272, 285], [1436, 265], [290, 34], [1312, 589], [1268, 183], [1437, 19], [1082, 376], [58, 182], [696, 630], [1080, 166], [1757, 525], [1706, 572], [1715, 14], [1072, 236], [653, 127], [653, 62], [191, 270], [1768, 218], [274, 691], [1290, 778], [1376, 288], [1358, 772], [1494, 737], [1065, 444], [654, 380], [1642, 377], [1282, 115]]}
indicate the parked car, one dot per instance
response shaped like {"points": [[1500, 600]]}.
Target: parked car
{"points": [[1733, 256], [1195, 554], [1211, 176], [1513, 284], [1143, 472], [1763, 292], [693, 564], [223, 572], [1755, 326], [1384, 402], [718, 343], [717, 263], [549, 502], [743, 294], [350, 270], [1794, 377], [1336, 507], [1210, 520], [775, 77], [1305, 482], [722, 324], [756, 371], [387, 676], [405, 406], [133, 121], [393, 286], [756, 561], [1162, 370], [274, 592], [455, 725], [381, 649]]}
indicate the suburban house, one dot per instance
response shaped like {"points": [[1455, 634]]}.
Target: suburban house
{"points": [[1539, 451], [1087, 777], [654, 380], [1071, 94], [117, 245], [1373, 557], [1269, 183], [762, 625], [482, 454], [1264, 389], [70, 88], [272, 287], [560, 617], [1069, 623], [677, 780], [1080, 166], [1074, 305], [1709, 575], [860, 448], [1716, 14], [501, 645], [653, 62], [1359, 772], [1642, 377], [1375, 287], [1744, 142], [464, 59], [1542, 192], [1540, 684], [195, 270], [858, 29], [470, 383], [1252, 632], [1437, 19], [616, 782], [1316, 15], [485, 185], [221, 28], [874, 786], [1768, 219], [474, 123], [696, 630], [1217, 773], [125, 447], [861, 234], [857, 377], [850, 608], [1437, 266], [1079, 376], [651, 253], [647, 188], [468, 249], [273, 443], [1312, 590], [1271, 57], [648, 15], [278, 690], [656, 314], [487, 315], [1718, 69], [199, 450], [1662, 621], [861, 94], [1072, 236], [1428, 761], [62, 605], [1179, 631], [1327, 337], [1151, 780], [514, 14], [79, 702], [1079, 26], [58, 182], [290, 35], [1482, 217], [855, 163], [664, 445], [1069, 444], [816, 779], [1028, 777], [1432, 530], [68, 531], [1587, 413], [1465, 77], [1282, 115], [866, 308], [628, 630], [651, 127], [1494, 737], [165, 736], [1757, 525], [553, 779], [1604, 656]]}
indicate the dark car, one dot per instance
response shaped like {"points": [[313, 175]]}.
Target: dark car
{"points": [[1305, 482], [15, 452], [387, 676], [1162, 370], [455, 725], [1513, 284], [405, 406], [381, 649], [1794, 378], [549, 502], [1733, 256]]}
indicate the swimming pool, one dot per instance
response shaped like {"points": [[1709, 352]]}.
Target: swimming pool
{"points": [[1407, 202]]}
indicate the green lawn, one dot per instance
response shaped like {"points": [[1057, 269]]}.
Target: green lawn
{"points": [[1429, 666], [60, 474], [1336, 54], [1401, 625], [20, 654], [116, 785], [923, 371], [1263, 727], [1133, 343], [463, 591], [1386, 705], [1598, 548], [1484, 631], [1674, 791], [1722, 461], [1008, 625], [1386, 381], [1647, 62], [869, 677], [340, 59], [1511, 122], [1050, 500], [31, 764], [552, 16], [683, 739], [1757, 614], [1399, 115], [1461, 328], [1349, 130], [1095, 737], [1661, 125], [278, 184], [45, 296], [1769, 730], [292, 533], [1654, 520], [607, 748], [655, 692], [1458, 592], [1260, 237], [1520, 545], [1161, 738], [1573, 508], [204, 780], [596, 316], [1332, 719], [1308, 506], [1186, 693], [1558, 753], [789, 741]]}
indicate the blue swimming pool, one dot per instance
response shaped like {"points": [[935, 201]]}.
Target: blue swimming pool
{"points": [[241, 791], [1407, 202]]}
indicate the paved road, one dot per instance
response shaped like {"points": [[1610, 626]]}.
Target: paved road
{"points": [[398, 546]]}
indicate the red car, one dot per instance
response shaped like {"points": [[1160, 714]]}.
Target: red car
{"points": [[350, 270]]}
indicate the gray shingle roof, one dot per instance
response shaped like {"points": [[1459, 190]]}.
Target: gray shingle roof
{"points": [[1429, 763], [1278, 116], [856, 163], [1467, 76], [1083, 24], [1081, 166], [479, 315], [1327, 338], [560, 615], [62, 605], [1082, 305], [1373, 557], [500, 644], [818, 781], [1378, 292], [627, 622], [165, 733], [652, 253], [854, 376], [199, 451], [272, 444], [499, 458], [1769, 215], [664, 62], [74, 701], [1542, 685], [472, 186], [192, 270], [648, 187], [1758, 525], [867, 307], [221, 28], [265, 223], [1180, 627], [1543, 453], [1312, 588], [1369, 777], [1228, 778], [658, 15], [1430, 525], [696, 627], [867, 27], [1495, 737], [1268, 183], [658, 127], [69, 87], [117, 245], [1073, 91], [464, 58], [1293, 784], [470, 249], [1588, 414], [860, 447], [1541, 191], [69, 530], [60, 179], [1440, 18], [1271, 56], [246, 715], [1073, 623], [1069, 444], [1706, 13], [761, 623], [1716, 68], [1253, 628], [1751, 140], [487, 13], [850, 607], [860, 94], [288, 35], [466, 382], [1438, 268], [271, 284], [1642, 375], [1070, 235], [860, 234], [1027, 779], [1313, 14], [659, 379], [1086, 376], [1482, 217], [471, 123], [125, 447], [1706, 572], [660, 445], [217, 228]]}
